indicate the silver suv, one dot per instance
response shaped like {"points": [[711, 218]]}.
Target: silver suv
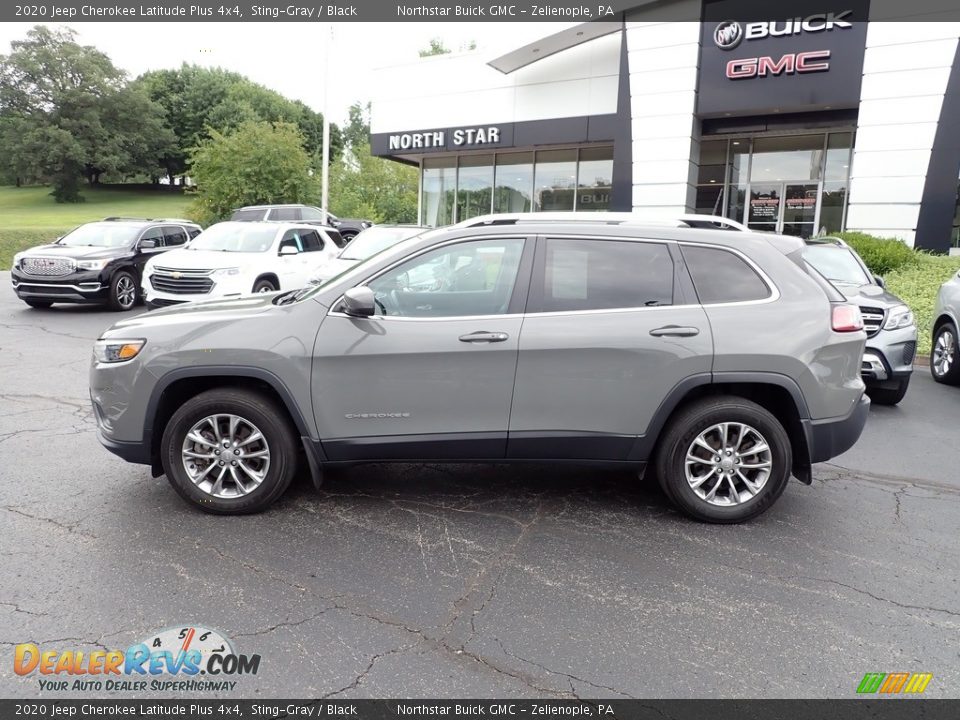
{"points": [[718, 362], [944, 357]]}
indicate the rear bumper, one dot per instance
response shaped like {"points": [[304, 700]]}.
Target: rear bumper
{"points": [[828, 438]]}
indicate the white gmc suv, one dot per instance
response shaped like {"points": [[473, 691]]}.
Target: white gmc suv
{"points": [[231, 259]]}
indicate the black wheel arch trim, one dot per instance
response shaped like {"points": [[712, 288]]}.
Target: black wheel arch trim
{"points": [[644, 445], [231, 371]]}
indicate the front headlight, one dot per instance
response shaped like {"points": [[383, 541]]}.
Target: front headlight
{"points": [[114, 351], [16, 260], [92, 264], [227, 271], [899, 316]]}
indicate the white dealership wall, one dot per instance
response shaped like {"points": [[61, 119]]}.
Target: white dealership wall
{"points": [[905, 72], [906, 69]]}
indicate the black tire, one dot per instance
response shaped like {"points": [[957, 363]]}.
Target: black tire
{"points": [[945, 370], [119, 297], [697, 418], [889, 395], [261, 412], [38, 304], [264, 286], [347, 237]]}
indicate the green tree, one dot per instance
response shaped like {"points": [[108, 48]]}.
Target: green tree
{"points": [[198, 99], [257, 163], [362, 185], [67, 112], [436, 47], [356, 132]]}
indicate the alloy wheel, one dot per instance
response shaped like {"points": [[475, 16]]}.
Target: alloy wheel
{"points": [[126, 292], [728, 464], [944, 350], [225, 456]]}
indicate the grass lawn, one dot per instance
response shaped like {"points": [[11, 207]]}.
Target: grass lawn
{"points": [[29, 216]]}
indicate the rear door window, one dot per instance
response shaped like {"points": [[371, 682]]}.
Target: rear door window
{"points": [[595, 274], [250, 215], [286, 214], [721, 276]]}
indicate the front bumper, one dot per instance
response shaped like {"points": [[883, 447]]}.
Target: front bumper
{"points": [[828, 438], [132, 452], [78, 287], [889, 355]]}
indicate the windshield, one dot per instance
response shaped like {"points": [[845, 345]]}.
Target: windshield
{"points": [[249, 215], [235, 237], [837, 265], [375, 239], [102, 234]]}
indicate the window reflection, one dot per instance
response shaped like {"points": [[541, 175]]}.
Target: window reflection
{"points": [[439, 190], [594, 179], [514, 182], [787, 158], [555, 180], [475, 188]]}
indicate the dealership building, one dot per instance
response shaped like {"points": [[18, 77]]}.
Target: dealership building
{"points": [[841, 117]]}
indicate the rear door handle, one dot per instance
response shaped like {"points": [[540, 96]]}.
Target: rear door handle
{"points": [[484, 337], [674, 331]]}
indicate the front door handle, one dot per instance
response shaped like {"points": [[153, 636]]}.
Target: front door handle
{"points": [[484, 337], [674, 331]]}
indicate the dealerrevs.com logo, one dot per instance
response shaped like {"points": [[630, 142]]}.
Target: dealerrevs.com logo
{"points": [[200, 658]]}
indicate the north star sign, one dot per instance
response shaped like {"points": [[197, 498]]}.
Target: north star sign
{"points": [[489, 135]]}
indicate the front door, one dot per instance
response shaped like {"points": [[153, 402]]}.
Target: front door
{"points": [[431, 374], [784, 207], [608, 334]]}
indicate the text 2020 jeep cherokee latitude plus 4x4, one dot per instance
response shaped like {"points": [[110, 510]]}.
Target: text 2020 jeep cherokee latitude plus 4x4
{"points": [[720, 360]]}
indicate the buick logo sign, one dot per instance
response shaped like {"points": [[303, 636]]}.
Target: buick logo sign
{"points": [[728, 35]]}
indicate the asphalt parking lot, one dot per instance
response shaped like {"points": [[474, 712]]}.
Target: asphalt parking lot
{"points": [[465, 581]]}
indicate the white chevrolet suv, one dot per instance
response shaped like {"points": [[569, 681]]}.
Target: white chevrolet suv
{"points": [[231, 259]]}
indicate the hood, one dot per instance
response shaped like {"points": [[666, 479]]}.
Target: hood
{"points": [[186, 259], [869, 295], [205, 311], [332, 268], [77, 252]]}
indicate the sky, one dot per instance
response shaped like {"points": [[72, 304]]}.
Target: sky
{"points": [[289, 57]]}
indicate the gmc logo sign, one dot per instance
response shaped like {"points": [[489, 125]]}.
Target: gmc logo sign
{"points": [[789, 64]]}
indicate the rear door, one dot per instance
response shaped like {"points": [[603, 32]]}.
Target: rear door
{"points": [[611, 327]]}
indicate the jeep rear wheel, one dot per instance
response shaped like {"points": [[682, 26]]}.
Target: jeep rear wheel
{"points": [[724, 460], [229, 452]]}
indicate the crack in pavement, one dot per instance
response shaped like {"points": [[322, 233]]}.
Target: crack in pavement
{"points": [[17, 608], [272, 628], [366, 671], [69, 528]]}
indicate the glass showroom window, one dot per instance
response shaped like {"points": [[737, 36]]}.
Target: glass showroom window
{"points": [[555, 180], [833, 196], [710, 177], [739, 172], [594, 179], [474, 186], [513, 189], [439, 190]]}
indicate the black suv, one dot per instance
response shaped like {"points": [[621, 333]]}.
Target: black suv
{"points": [[342, 230], [99, 262]]}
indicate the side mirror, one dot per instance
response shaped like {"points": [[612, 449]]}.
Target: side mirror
{"points": [[359, 302], [148, 244], [288, 250], [879, 281]]}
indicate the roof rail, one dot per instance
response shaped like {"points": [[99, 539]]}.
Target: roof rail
{"points": [[115, 218], [710, 222]]}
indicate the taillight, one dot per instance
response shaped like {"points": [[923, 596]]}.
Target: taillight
{"points": [[846, 318]]}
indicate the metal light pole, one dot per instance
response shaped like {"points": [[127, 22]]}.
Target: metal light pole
{"points": [[325, 169]]}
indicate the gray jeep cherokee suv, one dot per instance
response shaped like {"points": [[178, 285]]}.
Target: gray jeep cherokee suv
{"points": [[719, 362]]}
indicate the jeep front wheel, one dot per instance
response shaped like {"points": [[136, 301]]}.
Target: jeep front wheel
{"points": [[724, 460], [229, 452]]}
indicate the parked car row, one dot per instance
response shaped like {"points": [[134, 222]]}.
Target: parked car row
{"points": [[504, 338]]}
